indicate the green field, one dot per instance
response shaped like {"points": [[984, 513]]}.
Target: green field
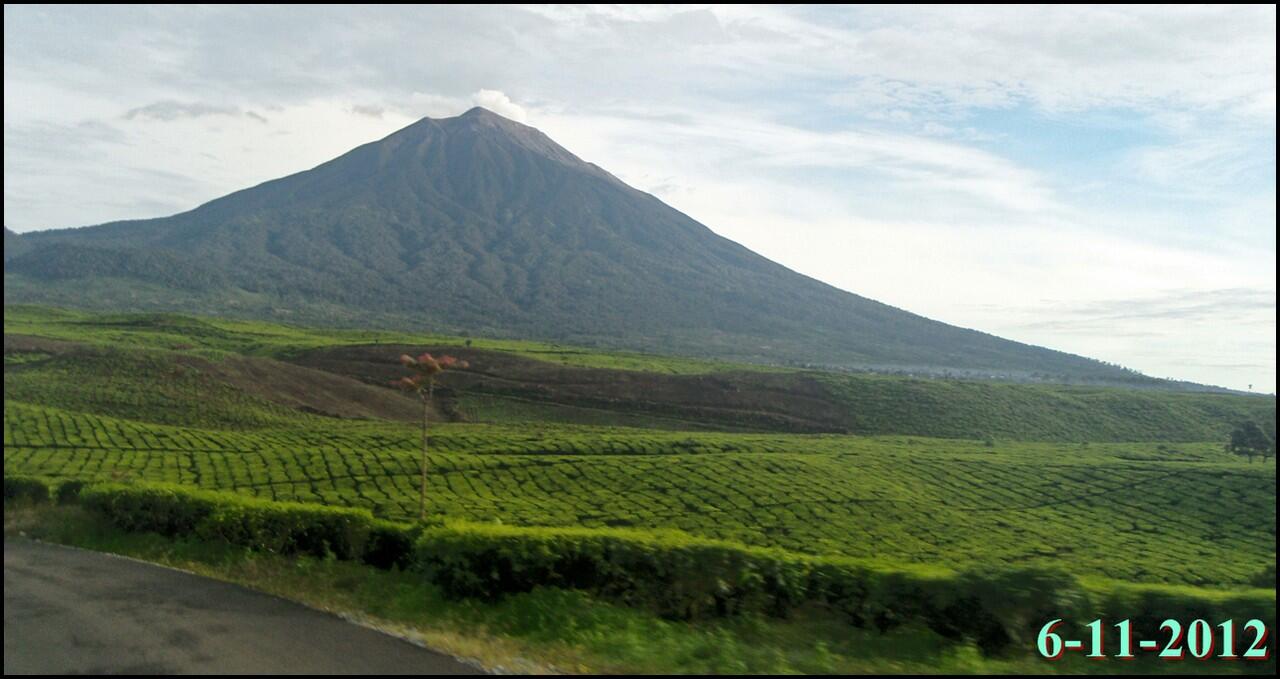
{"points": [[141, 397], [196, 402], [1183, 514]]}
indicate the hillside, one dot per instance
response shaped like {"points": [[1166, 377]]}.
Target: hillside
{"points": [[14, 245], [173, 369], [1120, 487], [1123, 484], [477, 225]]}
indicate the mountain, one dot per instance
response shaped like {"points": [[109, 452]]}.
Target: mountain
{"points": [[14, 244], [479, 225]]}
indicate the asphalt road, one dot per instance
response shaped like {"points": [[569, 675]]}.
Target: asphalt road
{"points": [[68, 611]]}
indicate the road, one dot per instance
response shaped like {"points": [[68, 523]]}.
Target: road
{"points": [[69, 611]]}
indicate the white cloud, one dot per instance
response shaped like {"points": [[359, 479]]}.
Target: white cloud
{"points": [[1200, 163], [1060, 58], [636, 142], [499, 103]]}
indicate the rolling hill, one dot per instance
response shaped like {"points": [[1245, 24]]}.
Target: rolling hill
{"points": [[478, 225], [1116, 483], [175, 369]]}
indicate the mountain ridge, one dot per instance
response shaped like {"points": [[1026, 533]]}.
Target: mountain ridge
{"points": [[479, 224]]}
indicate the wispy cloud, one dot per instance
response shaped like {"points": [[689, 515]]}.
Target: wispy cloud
{"points": [[176, 110], [1230, 307], [1203, 165], [373, 111], [913, 163]]}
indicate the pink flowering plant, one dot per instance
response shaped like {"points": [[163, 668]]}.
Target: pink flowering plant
{"points": [[422, 381]]}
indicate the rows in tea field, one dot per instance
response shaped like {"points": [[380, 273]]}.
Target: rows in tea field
{"points": [[1181, 514], [27, 425]]}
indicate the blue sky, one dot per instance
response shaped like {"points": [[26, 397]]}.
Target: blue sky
{"points": [[1099, 180]]}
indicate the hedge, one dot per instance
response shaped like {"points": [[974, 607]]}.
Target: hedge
{"points": [[1146, 606], [68, 492], [678, 576], [390, 544], [667, 572], [25, 489], [168, 510], [41, 490], [277, 527]]}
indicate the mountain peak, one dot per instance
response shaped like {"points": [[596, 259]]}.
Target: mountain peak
{"points": [[475, 118], [480, 123], [480, 116], [479, 112]]}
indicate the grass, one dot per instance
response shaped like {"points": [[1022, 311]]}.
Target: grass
{"points": [[555, 630]]}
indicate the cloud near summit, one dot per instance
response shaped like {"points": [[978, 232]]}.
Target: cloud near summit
{"points": [[501, 104]]}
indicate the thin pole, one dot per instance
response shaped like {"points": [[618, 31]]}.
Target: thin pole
{"points": [[422, 491]]}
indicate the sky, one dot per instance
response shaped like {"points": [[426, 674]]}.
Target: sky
{"points": [[1099, 180]]}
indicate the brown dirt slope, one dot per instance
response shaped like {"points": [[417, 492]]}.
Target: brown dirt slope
{"points": [[730, 399]]}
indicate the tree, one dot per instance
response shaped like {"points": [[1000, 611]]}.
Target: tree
{"points": [[1248, 439], [423, 383]]}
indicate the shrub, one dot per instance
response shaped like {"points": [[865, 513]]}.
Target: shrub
{"points": [[1003, 606], [68, 492], [1266, 577], [1147, 606], [25, 489], [390, 544], [280, 527], [288, 528], [158, 508], [685, 578], [670, 573]]}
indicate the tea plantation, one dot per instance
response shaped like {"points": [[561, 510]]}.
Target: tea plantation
{"points": [[144, 398], [1141, 512]]}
